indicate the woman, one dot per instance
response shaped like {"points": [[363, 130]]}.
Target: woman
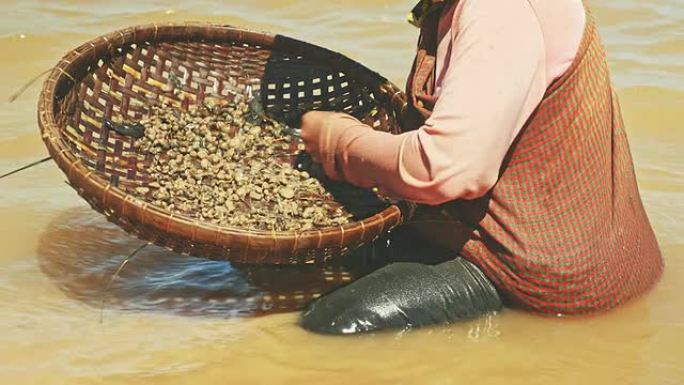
{"points": [[518, 158]]}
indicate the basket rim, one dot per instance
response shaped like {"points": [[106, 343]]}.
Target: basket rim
{"points": [[84, 179]]}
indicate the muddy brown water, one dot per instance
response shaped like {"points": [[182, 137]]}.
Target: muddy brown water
{"points": [[170, 320]]}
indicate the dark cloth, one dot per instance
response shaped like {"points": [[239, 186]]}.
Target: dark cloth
{"points": [[404, 295]]}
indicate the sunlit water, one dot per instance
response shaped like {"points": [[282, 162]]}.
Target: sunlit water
{"points": [[173, 320]]}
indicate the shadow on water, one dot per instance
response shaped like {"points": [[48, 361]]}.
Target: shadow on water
{"points": [[80, 251]]}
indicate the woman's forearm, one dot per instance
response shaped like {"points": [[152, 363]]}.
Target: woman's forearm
{"points": [[495, 78]]}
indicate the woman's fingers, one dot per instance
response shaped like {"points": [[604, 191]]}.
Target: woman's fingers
{"points": [[318, 140]]}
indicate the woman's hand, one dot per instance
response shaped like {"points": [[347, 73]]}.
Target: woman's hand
{"points": [[320, 139]]}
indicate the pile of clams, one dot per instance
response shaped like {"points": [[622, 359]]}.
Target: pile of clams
{"points": [[231, 165]]}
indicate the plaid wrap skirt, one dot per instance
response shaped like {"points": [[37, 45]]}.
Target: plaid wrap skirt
{"points": [[564, 230]]}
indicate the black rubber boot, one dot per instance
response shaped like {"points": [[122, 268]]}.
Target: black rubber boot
{"points": [[404, 295]]}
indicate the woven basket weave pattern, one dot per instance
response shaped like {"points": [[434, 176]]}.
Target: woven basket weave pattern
{"points": [[119, 75]]}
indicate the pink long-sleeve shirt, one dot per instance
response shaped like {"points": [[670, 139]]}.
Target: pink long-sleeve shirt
{"points": [[495, 60]]}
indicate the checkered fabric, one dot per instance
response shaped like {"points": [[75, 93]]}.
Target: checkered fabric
{"points": [[564, 230]]}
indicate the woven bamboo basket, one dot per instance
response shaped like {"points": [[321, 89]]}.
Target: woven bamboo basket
{"points": [[119, 75]]}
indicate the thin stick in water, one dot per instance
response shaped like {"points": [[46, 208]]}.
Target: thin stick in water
{"points": [[116, 274], [27, 166], [17, 94]]}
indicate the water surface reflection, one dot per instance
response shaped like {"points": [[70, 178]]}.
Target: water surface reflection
{"points": [[80, 251]]}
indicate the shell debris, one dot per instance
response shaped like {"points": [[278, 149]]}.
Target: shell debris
{"points": [[227, 165]]}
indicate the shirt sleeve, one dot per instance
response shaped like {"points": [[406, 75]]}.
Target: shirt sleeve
{"points": [[494, 79]]}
